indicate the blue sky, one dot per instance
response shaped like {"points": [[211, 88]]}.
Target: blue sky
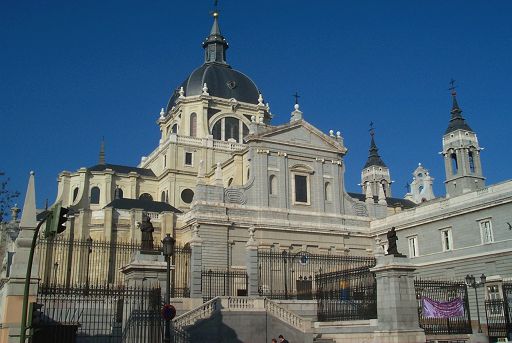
{"points": [[74, 71]]}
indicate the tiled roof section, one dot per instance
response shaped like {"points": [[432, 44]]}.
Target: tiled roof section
{"points": [[145, 205], [122, 169], [457, 122], [392, 202]]}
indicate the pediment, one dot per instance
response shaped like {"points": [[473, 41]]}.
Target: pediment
{"points": [[304, 134]]}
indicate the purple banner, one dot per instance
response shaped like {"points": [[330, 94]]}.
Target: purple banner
{"points": [[442, 309]]}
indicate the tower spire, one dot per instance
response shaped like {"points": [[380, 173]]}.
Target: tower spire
{"points": [[215, 45], [456, 121], [374, 158], [102, 151]]}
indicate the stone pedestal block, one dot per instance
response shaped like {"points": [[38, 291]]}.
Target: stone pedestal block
{"points": [[397, 308], [146, 269]]}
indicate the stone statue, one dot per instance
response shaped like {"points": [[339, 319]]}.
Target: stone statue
{"points": [[392, 248], [146, 227]]}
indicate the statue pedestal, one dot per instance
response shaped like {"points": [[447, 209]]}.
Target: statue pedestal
{"points": [[146, 269], [397, 307]]}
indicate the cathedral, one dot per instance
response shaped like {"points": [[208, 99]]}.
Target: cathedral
{"points": [[223, 167], [227, 184]]}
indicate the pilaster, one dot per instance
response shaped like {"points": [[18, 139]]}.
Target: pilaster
{"points": [[196, 263], [252, 264]]}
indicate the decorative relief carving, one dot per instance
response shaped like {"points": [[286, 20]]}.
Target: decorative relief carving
{"points": [[235, 196]]}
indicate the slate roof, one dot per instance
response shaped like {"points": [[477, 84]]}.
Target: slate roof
{"points": [[374, 158], [145, 205], [122, 169], [404, 203], [457, 122]]}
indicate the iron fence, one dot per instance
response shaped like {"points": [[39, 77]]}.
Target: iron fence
{"points": [[443, 291], [223, 283], [99, 314], [347, 294], [499, 313], [291, 275], [66, 262]]}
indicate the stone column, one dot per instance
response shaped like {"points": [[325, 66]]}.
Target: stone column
{"points": [[252, 264], [196, 263], [397, 307]]}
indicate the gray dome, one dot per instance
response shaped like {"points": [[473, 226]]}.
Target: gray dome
{"points": [[222, 81]]}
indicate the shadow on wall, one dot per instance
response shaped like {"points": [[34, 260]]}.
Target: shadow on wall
{"points": [[213, 330], [244, 327]]}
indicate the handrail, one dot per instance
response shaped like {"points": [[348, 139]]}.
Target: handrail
{"points": [[203, 311], [287, 316]]}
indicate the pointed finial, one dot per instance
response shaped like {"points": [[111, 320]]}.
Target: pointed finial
{"points": [[28, 216], [162, 113], [102, 151], [372, 129], [260, 100]]}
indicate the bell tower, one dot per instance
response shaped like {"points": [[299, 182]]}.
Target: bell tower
{"points": [[375, 176], [461, 153]]}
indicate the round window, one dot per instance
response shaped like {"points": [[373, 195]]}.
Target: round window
{"points": [[187, 195]]}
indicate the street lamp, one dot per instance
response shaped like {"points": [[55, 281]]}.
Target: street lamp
{"points": [[471, 282], [168, 250]]}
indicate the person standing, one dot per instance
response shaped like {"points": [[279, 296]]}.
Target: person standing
{"points": [[282, 339]]}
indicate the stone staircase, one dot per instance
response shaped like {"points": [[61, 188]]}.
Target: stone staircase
{"points": [[260, 316]]}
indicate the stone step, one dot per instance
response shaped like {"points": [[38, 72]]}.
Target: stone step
{"points": [[323, 340]]}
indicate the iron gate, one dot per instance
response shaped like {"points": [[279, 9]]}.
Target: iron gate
{"points": [[98, 314], [223, 283], [291, 275], [347, 294], [443, 291], [499, 313]]}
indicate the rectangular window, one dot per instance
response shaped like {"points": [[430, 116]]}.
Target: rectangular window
{"points": [[446, 239], [413, 246], [165, 161], [188, 158], [301, 188], [486, 231]]}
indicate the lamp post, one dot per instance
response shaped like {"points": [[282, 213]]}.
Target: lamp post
{"points": [[168, 249], [471, 282]]}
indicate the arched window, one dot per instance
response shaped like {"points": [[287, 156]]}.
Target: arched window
{"points": [[193, 125], [217, 130], [385, 187], [230, 128], [471, 162], [118, 193], [75, 193], [95, 195], [174, 128], [328, 191], [420, 189], [146, 196], [187, 195], [162, 196], [455, 165], [272, 185]]}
